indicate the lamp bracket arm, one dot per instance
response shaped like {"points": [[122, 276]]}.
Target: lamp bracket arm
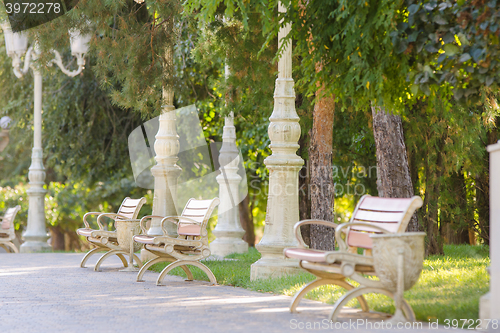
{"points": [[58, 61], [16, 63]]}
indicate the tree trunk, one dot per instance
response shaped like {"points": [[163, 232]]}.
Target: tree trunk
{"points": [[320, 163], [482, 184], [57, 239], [436, 242], [304, 193], [246, 219], [456, 214], [393, 176], [71, 241]]}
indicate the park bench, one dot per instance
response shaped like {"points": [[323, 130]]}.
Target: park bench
{"points": [[188, 248], [7, 231], [107, 240], [373, 217]]}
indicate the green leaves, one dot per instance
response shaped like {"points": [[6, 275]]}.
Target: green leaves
{"points": [[456, 40], [451, 49], [412, 9], [464, 57]]}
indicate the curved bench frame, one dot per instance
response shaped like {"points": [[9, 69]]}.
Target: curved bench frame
{"points": [[371, 215], [7, 230], [188, 248], [107, 241]]}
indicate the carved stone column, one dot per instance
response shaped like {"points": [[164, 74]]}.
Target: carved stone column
{"points": [[284, 166], [166, 171], [228, 231], [35, 236]]}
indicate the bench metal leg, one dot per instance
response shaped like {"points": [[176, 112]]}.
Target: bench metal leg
{"points": [[183, 263], [91, 253], [151, 262], [8, 246], [320, 282], [108, 254], [337, 307], [146, 266]]}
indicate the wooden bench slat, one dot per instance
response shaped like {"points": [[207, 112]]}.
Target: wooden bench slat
{"points": [[371, 216], [199, 204], [391, 227], [360, 239], [196, 218], [127, 209], [131, 202], [385, 204], [194, 212]]}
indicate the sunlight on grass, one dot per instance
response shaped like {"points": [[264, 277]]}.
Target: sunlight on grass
{"points": [[449, 286]]}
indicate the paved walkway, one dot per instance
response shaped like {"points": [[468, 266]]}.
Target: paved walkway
{"points": [[50, 293]]}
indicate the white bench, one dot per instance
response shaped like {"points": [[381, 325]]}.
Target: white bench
{"points": [[7, 231]]}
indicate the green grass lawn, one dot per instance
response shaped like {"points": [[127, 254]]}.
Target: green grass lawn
{"points": [[449, 286]]}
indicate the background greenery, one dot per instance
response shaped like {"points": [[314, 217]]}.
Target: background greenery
{"points": [[370, 55]]}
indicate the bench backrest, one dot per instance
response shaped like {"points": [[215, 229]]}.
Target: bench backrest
{"points": [[130, 208], [199, 211], [8, 218], [391, 214]]}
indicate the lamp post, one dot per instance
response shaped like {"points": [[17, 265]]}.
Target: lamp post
{"points": [[228, 231], [284, 165], [16, 45]]}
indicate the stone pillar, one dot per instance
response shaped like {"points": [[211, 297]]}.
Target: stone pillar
{"points": [[166, 171], [228, 231], [490, 303], [284, 165], [35, 236]]}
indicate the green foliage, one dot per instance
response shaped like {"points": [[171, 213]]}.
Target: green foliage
{"points": [[445, 143], [65, 204], [454, 42], [84, 140], [129, 43], [351, 40]]}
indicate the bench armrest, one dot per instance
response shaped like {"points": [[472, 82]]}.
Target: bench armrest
{"points": [[342, 245], [298, 234], [103, 233], [109, 215], [175, 220], [87, 215], [144, 219]]}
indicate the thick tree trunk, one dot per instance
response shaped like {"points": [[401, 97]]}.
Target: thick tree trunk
{"points": [[320, 164], [246, 219], [71, 241], [393, 176], [57, 239]]}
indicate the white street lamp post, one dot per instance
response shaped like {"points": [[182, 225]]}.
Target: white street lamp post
{"points": [[228, 231], [16, 44], [284, 165], [166, 171]]}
